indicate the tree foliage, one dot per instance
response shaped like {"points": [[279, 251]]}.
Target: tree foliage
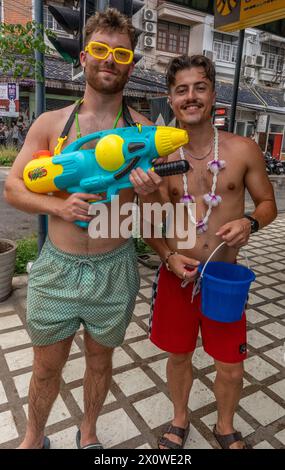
{"points": [[18, 44]]}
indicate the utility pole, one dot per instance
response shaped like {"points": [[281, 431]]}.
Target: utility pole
{"points": [[40, 101], [236, 81]]}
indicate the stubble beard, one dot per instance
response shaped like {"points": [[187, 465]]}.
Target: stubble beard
{"points": [[113, 86]]}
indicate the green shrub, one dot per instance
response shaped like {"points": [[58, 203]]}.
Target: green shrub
{"points": [[7, 155], [141, 247], [27, 250]]}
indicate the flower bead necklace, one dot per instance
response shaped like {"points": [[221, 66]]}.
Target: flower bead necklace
{"points": [[210, 199]]}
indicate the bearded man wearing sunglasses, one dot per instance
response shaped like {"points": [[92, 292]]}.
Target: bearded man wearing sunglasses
{"points": [[77, 279]]}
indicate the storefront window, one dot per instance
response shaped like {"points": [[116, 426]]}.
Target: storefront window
{"points": [[240, 127], [277, 128]]}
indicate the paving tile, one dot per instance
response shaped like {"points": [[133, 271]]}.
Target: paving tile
{"points": [[134, 330], [22, 383], [200, 395], [201, 359], [272, 309], [146, 292], [58, 413], [8, 430], [279, 388], [64, 439], [262, 408], [266, 280], [155, 410], [120, 358], [278, 276], [133, 381], [259, 368], [269, 293], [74, 369], [254, 317], [281, 436], [19, 359], [264, 269], [115, 427], [3, 396], [78, 396], [275, 329], [195, 440], [6, 308], [257, 340], [263, 445], [144, 446], [145, 348], [212, 377], [280, 287], [277, 354], [254, 299], [9, 321], [14, 338], [278, 266], [159, 367], [239, 423], [261, 259], [142, 308]]}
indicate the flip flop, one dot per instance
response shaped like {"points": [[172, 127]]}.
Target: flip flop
{"points": [[180, 432], [227, 440], [96, 445], [46, 443]]}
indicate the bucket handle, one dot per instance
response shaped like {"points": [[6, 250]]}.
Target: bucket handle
{"points": [[197, 282], [212, 254]]}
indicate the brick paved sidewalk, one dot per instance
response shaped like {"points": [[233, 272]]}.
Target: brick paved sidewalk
{"points": [[138, 405]]}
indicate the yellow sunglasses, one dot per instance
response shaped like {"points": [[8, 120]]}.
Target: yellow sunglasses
{"points": [[101, 51]]}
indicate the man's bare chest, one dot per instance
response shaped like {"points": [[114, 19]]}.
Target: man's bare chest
{"points": [[199, 181]]}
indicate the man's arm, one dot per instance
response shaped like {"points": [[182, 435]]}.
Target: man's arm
{"points": [[75, 207], [260, 187], [184, 267], [237, 232]]}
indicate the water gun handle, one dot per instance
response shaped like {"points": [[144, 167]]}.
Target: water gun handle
{"points": [[172, 168], [81, 223]]}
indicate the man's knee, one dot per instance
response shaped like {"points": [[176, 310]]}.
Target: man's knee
{"points": [[98, 357], [180, 359], [232, 373]]}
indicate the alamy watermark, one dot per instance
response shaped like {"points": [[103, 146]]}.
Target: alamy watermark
{"points": [[172, 221]]}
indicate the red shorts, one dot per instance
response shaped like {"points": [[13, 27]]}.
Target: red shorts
{"points": [[175, 323]]}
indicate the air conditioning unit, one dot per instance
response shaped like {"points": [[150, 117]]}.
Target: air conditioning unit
{"points": [[249, 72], [260, 60], [249, 60], [210, 54], [149, 41], [150, 28], [149, 15]]}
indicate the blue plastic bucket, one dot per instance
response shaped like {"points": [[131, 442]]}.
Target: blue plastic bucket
{"points": [[225, 289]]}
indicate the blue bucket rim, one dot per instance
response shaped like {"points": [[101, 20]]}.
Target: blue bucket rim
{"points": [[200, 267]]}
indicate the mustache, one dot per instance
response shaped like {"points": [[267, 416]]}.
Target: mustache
{"points": [[191, 103]]}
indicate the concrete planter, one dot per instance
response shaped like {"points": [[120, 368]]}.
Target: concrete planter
{"points": [[7, 267]]}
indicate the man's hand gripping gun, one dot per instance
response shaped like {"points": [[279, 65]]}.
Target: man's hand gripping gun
{"points": [[107, 168]]}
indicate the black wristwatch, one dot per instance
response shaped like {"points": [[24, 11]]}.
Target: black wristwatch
{"points": [[254, 224]]}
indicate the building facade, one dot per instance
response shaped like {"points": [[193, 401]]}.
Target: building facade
{"points": [[171, 28]]}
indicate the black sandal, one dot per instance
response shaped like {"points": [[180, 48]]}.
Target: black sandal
{"points": [[180, 432], [227, 440]]}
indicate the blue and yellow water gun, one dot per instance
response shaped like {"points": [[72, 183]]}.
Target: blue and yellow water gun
{"points": [[106, 168]]}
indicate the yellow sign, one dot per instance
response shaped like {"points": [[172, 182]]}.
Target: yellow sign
{"points": [[232, 15]]}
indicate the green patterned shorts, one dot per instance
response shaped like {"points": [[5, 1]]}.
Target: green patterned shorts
{"points": [[66, 290]]}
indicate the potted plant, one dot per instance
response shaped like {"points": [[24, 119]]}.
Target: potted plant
{"points": [[7, 267]]}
